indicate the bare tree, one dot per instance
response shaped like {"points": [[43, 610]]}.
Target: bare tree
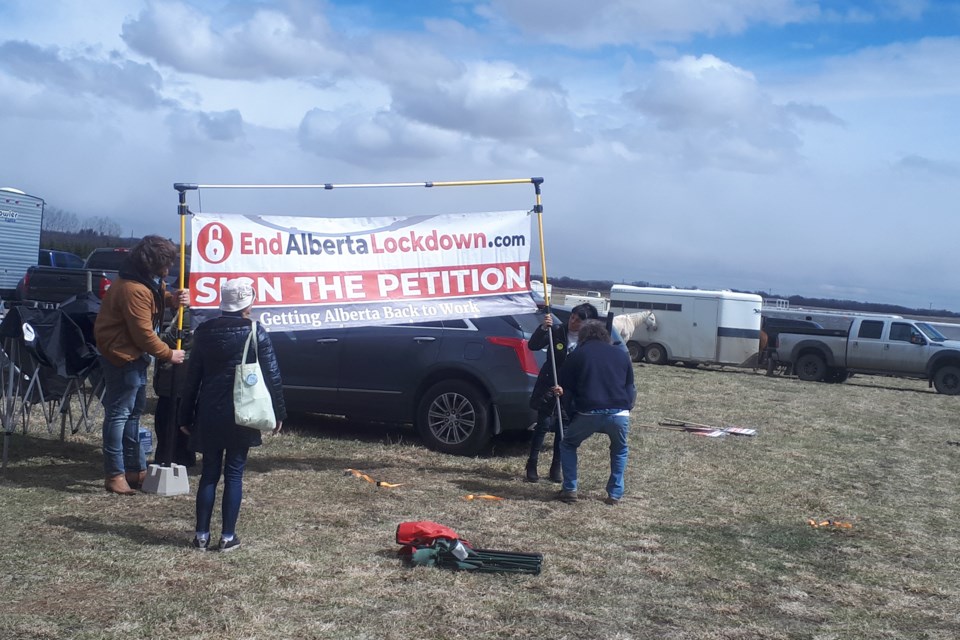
{"points": [[103, 226], [55, 219]]}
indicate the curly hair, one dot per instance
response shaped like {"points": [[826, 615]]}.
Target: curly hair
{"points": [[152, 255], [593, 330]]}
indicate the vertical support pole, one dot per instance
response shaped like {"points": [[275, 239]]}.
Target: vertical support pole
{"points": [[182, 210], [538, 209]]}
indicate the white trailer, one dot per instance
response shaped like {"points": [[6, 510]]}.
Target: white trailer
{"points": [[693, 326], [21, 217]]}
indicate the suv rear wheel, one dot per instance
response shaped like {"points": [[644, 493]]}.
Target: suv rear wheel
{"points": [[454, 417]]}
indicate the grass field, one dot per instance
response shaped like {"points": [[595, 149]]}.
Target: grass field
{"points": [[712, 540]]}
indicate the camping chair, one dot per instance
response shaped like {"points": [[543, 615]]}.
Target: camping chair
{"points": [[56, 364], [84, 370]]}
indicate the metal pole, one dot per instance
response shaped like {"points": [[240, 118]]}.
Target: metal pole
{"points": [[186, 186], [538, 209], [182, 210]]}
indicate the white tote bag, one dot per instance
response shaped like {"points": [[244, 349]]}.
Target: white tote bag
{"points": [[252, 404]]}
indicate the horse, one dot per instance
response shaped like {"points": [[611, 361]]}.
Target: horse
{"points": [[628, 324]]}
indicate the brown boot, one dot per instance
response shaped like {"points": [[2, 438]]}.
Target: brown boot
{"points": [[118, 484], [135, 478]]}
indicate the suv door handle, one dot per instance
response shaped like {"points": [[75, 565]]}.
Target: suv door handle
{"points": [[424, 339], [326, 340]]}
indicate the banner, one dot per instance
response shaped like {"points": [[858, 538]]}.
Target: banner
{"points": [[311, 273]]}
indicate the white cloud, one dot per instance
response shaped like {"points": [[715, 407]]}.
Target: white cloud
{"points": [[270, 44], [711, 112], [380, 140], [131, 83]]}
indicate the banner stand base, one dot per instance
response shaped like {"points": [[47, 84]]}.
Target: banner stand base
{"points": [[166, 481]]}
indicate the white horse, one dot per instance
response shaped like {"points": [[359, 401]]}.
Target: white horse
{"points": [[628, 324]]}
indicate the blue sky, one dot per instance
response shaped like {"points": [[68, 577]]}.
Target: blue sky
{"points": [[786, 146]]}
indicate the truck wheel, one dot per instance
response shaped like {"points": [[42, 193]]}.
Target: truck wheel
{"points": [[947, 380], [636, 351], [811, 367], [454, 417], [655, 354], [836, 375]]}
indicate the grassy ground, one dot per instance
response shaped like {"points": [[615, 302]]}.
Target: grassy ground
{"points": [[712, 540]]}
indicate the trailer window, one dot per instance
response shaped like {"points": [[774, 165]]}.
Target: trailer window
{"points": [[643, 304], [871, 329]]}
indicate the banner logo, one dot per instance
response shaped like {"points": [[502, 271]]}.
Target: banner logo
{"points": [[215, 243]]}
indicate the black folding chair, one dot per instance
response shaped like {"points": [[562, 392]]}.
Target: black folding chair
{"points": [[51, 362]]}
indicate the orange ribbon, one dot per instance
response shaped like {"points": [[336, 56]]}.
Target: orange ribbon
{"points": [[363, 476], [482, 496]]}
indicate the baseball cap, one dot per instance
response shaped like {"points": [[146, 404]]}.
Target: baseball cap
{"points": [[236, 294]]}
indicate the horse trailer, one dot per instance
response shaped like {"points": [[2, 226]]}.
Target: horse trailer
{"points": [[21, 217], [693, 326]]}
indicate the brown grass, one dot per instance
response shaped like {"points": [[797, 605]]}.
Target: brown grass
{"points": [[712, 540]]}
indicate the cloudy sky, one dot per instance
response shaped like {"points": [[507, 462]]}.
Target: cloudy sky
{"points": [[787, 146]]}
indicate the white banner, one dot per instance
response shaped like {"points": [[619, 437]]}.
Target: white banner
{"points": [[334, 272]]}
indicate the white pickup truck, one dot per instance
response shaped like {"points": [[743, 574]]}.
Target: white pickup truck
{"points": [[879, 346], [593, 297]]}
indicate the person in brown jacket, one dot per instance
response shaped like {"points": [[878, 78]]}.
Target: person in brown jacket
{"points": [[126, 333]]}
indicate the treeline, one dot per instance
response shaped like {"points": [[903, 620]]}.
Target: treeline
{"points": [[63, 230], [604, 286], [866, 307], [82, 242]]}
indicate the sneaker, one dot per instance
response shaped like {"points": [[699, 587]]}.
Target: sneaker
{"points": [[200, 544], [567, 496], [229, 545], [611, 501]]}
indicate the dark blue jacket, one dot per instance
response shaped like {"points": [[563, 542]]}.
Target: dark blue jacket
{"points": [[597, 375], [206, 407]]}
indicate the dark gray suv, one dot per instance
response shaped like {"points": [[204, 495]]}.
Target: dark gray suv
{"points": [[458, 382]]}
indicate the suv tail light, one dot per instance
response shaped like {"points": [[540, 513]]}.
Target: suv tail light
{"points": [[519, 345], [104, 285]]}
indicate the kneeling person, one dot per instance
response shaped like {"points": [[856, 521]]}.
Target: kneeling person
{"points": [[596, 382]]}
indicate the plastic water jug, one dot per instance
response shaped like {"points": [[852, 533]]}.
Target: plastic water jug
{"points": [[146, 441]]}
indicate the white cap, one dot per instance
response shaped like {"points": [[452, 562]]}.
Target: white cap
{"points": [[236, 294]]}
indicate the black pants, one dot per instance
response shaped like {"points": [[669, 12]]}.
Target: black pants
{"points": [[171, 443], [545, 422]]}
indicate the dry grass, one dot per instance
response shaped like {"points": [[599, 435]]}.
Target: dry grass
{"points": [[712, 540]]}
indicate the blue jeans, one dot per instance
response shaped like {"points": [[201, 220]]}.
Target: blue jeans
{"points": [[582, 427], [123, 400], [232, 463]]}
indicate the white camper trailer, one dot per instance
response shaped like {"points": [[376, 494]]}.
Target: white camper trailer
{"points": [[693, 326], [20, 219]]}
